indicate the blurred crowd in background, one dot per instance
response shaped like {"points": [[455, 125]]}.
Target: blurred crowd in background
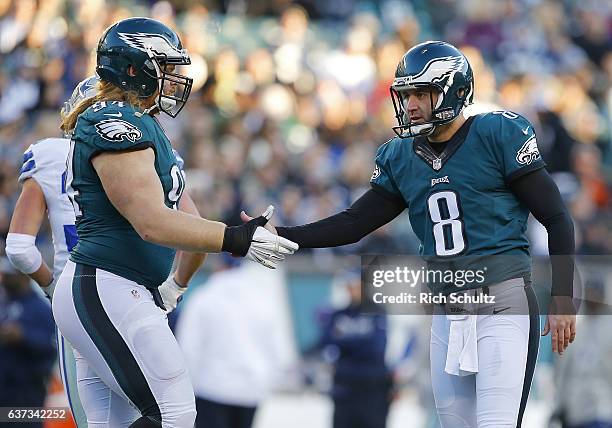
{"points": [[291, 99]]}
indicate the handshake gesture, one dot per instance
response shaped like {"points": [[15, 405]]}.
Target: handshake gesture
{"points": [[250, 240], [256, 243]]}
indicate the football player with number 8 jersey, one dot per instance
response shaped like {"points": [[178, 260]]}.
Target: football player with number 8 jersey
{"points": [[469, 184]]}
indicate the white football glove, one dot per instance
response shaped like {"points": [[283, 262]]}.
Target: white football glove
{"points": [[269, 249], [171, 293]]}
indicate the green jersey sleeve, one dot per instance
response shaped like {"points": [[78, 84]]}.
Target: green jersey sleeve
{"points": [[382, 176], [514, 142], [113, 127]]}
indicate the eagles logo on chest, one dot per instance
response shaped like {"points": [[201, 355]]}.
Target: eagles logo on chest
{"points": [[118, 130]]}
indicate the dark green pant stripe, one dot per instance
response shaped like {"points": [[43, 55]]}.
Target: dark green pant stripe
{"points": [[110, 343], [532, 349]]}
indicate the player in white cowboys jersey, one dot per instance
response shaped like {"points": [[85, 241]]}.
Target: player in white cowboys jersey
{"points": [[43, 176]]}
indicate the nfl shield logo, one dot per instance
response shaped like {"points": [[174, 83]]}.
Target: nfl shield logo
{"points": [[437, 164]]}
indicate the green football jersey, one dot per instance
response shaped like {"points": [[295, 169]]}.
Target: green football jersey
{"points": [[459, 202], [106, 239]]}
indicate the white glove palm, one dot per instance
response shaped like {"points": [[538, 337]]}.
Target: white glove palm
{"points": [[171, 293], [267, 248]]}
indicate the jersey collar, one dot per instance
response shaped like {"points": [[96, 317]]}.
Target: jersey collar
{"points": [[423, 149]]}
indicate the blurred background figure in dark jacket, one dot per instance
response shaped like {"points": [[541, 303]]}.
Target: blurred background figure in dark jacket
{"points": [[355, 341], [27, 341]]}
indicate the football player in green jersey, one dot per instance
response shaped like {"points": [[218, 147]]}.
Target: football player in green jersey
{"points": [[44, 190], [125, 184], [469, 184]]}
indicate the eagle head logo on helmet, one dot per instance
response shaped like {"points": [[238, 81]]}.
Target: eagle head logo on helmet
{"points": [[157, 43], [436, 70]]}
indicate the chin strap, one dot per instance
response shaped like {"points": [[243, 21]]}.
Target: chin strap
{"points": [[167, 104], [146, 111], [424, 129], [427, 128], [417, 130]]}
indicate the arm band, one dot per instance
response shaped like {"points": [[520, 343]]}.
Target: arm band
{"points": [[22, 252]]}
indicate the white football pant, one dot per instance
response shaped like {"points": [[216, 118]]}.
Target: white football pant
{"points": [[128, 361]]}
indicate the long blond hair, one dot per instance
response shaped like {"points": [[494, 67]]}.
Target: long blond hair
{"points": [[106, 91]]}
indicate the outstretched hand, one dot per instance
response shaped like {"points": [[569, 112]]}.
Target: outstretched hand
{"points": [[245, 218], [264, 245]]}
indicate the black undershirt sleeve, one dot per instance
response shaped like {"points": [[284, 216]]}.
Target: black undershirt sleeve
{"points": [[373, 209], [539, 193]]}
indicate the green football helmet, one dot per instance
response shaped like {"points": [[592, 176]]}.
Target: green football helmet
{"points": [[150, 47], [432, 65]]}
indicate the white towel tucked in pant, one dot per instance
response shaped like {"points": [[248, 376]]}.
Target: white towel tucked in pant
{"points": [[462, 355]]}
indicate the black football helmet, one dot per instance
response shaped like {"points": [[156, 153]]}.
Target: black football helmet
{"points": [[432, 65], [149, 46]]}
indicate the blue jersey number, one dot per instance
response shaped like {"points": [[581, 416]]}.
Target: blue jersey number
{"points": [[70, 232], [448, 228]]}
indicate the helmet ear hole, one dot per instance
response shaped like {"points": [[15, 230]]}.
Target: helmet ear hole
{"points": [[131, 70]]}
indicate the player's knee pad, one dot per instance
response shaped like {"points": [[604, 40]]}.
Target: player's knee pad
{"points": [[146, 422]]}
